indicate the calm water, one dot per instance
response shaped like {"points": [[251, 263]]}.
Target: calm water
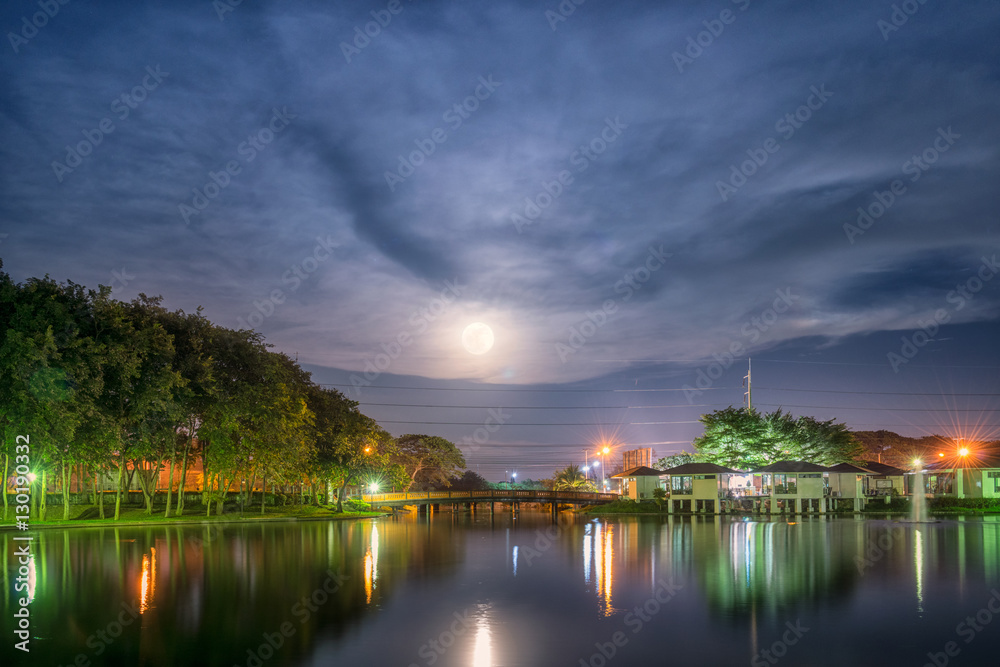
{"points": [[464, 590]]}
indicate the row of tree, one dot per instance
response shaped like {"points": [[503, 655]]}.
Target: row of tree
{"points": [[106, 388]]}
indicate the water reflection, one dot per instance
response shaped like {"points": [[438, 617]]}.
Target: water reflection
{"points": [[371, 565], [530, 594]]}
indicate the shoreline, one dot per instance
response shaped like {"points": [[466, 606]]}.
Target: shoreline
{"points": [[188, 520]]}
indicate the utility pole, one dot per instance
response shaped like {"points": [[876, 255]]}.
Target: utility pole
{"points": [[746, 383]]}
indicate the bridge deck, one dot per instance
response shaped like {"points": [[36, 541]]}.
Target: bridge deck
{"points": [[503, 496]]}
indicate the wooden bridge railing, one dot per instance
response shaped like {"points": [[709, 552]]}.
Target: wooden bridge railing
{"points": [[492, 495]]}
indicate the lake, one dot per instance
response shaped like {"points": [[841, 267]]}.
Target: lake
{"points": [[476, 590]]}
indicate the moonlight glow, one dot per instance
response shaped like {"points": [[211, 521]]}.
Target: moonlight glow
{"points": [[477, 338]]}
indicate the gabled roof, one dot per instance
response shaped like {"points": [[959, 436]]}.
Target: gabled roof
{"points": [[697, 469], [883, 468], [792, 466], [640, 471], [851, 468]]}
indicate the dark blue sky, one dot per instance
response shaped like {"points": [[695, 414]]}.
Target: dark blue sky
{"points": [[622, 196]]}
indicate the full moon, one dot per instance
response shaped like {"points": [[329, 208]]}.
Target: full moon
{"points": [[477, 338]]}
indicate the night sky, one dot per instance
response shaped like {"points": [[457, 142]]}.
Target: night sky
{"points": [[634, 196]]}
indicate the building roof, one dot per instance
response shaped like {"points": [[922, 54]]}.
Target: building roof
{"points": [[792, 466], [851, 468], [696, 469], [883, 468], [640, 471]]}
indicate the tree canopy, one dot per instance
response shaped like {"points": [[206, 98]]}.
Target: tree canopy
{"points": [[748, 439]]}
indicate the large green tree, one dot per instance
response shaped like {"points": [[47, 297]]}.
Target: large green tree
{"points": [[429, 460], [748, 439]]}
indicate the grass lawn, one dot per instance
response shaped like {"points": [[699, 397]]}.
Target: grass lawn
{"points": [[88, 515]]}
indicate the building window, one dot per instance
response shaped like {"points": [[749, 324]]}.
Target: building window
{"points": [[785, 484], [680, 485]]}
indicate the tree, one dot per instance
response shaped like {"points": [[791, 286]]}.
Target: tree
{"points": [[571, 478], [428, 459], [674, 460], [469, 481], [660, 496], [747, 439]]}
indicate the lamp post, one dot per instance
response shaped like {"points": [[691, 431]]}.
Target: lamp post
{"points": [[963, 452], [513, 479], [604, 475]]}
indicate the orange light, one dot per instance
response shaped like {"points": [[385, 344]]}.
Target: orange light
{"points": [[368, 450], [963, 452], [606, 450], [940, 454]]}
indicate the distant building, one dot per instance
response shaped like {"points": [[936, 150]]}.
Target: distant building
{"points": [[637, 458]]}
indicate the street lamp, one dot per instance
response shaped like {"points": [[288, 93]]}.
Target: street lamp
{"points": [[962, 453], [513, 480], [604, 477]]}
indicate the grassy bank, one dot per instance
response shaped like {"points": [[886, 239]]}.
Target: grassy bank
{"points": [[89, 515]]}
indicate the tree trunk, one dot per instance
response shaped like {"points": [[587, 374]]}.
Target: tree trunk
{"points": [[170, 480], [183, 480], [45, 495], [263, 493], [118, 493], [340, 496], [99, 494], [66, 479], [6, 468]]}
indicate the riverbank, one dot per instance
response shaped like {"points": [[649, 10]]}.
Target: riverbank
{"points": [[901, 509], [136, 516]]}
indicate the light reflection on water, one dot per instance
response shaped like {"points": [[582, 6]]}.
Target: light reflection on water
{"points": [[207, 597]]}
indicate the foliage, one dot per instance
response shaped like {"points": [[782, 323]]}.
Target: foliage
{"points": [[356, 505], [747, 439], [470, 481], [624, 506], [674, 460], [430, 461], [127, 389], [660, 496], [572, 478]]}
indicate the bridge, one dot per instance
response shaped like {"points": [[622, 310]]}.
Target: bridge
{"points": [[492, 496]]}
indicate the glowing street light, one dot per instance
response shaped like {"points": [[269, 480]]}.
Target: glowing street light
{"points": [[964, 451], [374, 487]]}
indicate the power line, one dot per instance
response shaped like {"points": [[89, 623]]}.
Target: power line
{"points": [[844, 407], [390, 421], [519, 389], [883, 393], [546, 407]]}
